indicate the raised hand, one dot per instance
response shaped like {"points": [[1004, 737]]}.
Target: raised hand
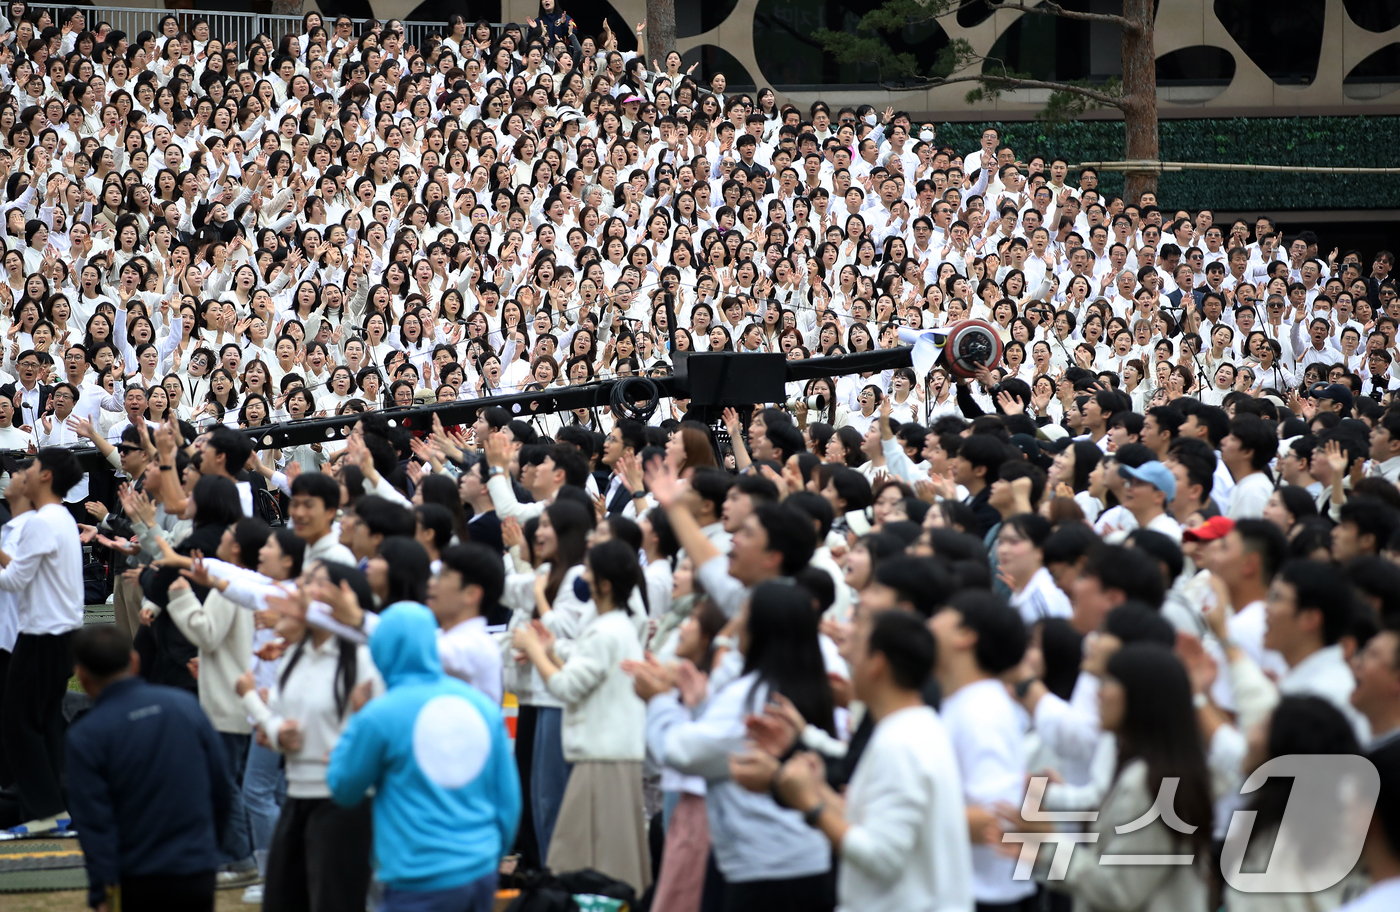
{"points": [[198, 572], [511, 535]]}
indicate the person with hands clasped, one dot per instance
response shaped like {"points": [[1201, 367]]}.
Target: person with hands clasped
{"points": [[899, 829], [549, 594], [767, 854], [601, 820], [319, 856]]}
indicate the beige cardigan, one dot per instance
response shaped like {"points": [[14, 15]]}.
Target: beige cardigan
{"points": [[223, 632], [1134, 888]]}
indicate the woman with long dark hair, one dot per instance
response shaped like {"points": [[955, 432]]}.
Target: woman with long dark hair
{"points": [[307, 709], [601, 821], [546, 594], [215, 506], [765, 853], [399, 571], [1145, 700], [1069, 476], [680, 882]]}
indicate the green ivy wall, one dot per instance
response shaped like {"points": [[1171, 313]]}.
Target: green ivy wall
{"points": [[1364, 142]]}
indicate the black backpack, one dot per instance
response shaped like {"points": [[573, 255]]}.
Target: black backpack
{"points": [[96, 577], [545, 892]]}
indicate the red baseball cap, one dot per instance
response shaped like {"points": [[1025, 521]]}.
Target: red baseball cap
{"points": [[1210, 530]]}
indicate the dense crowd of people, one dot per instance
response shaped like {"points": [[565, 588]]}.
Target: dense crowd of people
{"points": [[850, 650]]}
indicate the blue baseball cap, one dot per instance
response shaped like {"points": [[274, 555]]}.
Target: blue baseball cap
{"points": [[1153, 473]]}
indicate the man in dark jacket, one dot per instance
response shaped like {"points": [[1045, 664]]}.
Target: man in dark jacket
{"points": [[148, 786]]}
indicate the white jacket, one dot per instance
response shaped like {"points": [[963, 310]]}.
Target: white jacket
{"points": [[223, 632], [604, 719]]}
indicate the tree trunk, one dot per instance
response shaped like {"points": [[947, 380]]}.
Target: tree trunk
{"points": [[1140, 98], [286, 7], [660, 31]]}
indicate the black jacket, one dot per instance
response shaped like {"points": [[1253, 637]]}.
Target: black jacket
{"points": [[173, 650], [840, 770], [24, 416], [985, 514], [148, 785]]}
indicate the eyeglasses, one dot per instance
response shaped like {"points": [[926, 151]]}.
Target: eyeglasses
{"points": [[125, 449]]}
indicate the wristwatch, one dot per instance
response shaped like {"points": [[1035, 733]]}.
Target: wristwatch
{"points": [[814, 813], [638, 495], [496, 470]]}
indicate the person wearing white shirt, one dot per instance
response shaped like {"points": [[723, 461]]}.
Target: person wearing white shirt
{"points": [[11, 437], [46, 575], [1318, 349], [901, 832], [1246, 451], [979, 637], [315, 499], [1146, 492], [471, 579], [1384, 892], [1018, 552], [1304, 621]]}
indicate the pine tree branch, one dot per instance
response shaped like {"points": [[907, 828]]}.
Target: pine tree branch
{"points": [[1014, 82], [1050, 8]]}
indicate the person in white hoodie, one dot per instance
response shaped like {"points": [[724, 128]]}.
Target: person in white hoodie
{"points": [[601, 822]]}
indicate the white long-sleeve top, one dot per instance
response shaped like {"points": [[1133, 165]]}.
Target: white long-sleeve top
{"points": [[308, 697], [604, 719], [988, 741], [46, 573], [223, 633], [753, 838], [907, 846], [1071, 728], [9, 610]]}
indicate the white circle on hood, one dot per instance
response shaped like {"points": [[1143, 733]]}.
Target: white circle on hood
{"points": [[450, 741]]}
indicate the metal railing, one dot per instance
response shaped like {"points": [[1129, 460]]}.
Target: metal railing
{"points": [[227, 26]]}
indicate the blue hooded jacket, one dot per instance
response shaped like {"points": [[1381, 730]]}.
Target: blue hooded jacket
{"points": [[436, 752]]}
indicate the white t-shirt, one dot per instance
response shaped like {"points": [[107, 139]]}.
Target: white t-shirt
{"points": [[469, 654], [907, 847], [1250, 496], [988, 738]]}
